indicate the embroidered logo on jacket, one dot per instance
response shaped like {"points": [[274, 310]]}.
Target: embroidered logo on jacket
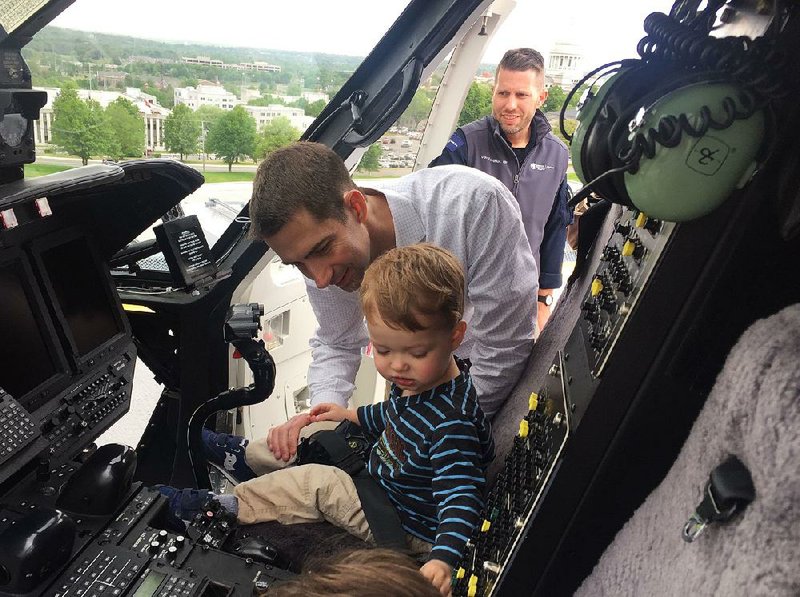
{"points": [[493, 160], [535, 166]]}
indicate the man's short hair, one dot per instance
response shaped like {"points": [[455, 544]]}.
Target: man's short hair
{"points": [[406, 282], [301, 175], [520, 60]]}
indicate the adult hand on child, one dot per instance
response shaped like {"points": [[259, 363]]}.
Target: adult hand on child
{"points": [[282, 439], [439, 574], [329, 411]]}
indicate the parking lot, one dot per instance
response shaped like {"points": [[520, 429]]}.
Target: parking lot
{"points": [[400, 147]]}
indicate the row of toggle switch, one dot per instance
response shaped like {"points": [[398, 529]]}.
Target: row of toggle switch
{"points": [[511, 499], [615, 280]]}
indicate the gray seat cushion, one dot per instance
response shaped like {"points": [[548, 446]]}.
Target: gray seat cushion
{"points": [[752, 412]]}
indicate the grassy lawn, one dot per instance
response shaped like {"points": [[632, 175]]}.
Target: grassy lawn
{"points": [[33, 170], [229, 176]]}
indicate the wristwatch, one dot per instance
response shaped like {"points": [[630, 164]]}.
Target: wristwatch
{"points": [[547, 299]]}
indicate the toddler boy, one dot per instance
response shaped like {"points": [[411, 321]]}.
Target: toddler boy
{"points": [[432, 443]]}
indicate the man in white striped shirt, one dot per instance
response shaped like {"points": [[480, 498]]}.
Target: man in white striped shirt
{"points": [[306, 207]]}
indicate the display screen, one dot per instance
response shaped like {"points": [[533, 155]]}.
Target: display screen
{"points": [[82, 292], [25, 359], [150, 584]]}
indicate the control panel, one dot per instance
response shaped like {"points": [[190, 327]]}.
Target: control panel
{"points": [[97, 402], [60, 428], [518, 496], [537, 446], [135, 553], [108, 571], [627, 261], [17, 429]]}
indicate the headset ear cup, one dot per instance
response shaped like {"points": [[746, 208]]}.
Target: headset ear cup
{"points": [[690, 175], [608, 130], [598, 157]]}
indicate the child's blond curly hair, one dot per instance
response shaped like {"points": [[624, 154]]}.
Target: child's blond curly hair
{"points": [[407, 282]]}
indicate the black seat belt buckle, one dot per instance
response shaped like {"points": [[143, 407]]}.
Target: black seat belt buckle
{"points": [[728, 491]]}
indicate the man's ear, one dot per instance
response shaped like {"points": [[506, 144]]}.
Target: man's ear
{"points": [[354, 200], [542, 97], [457, 337]]}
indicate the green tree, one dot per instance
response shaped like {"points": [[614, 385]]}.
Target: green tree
{"points": [[208, 115], [233, 136], [315, 108], [418, 110], [576, 97], [310, 108], [555, 99], [127, 127], [276, 134], [477, 104], [181, 131], [165, 96], [369, 161], [79, 127], [570, 124], [265, 100]]}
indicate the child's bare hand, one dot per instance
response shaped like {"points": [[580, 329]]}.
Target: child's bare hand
{"points": [[328, 411], [439, 574]]}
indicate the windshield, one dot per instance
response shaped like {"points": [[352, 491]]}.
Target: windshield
{"points": [[225, 88]]}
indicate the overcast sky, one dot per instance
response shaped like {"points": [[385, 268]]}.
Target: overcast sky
{"points": [[607, 29]]}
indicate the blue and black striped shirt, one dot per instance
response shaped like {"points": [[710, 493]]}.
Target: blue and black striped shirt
{"points": [[430, 455]]}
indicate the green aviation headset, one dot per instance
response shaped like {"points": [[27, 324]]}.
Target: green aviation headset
{"points": [[670, 137]]}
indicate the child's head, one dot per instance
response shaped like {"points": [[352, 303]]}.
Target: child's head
{"points": [[413, 299], [367, 572]]}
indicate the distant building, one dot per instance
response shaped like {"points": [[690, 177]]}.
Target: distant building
{"points": [[202, 61], [206, 94], [147, 59], [315, 96], [263, 115], [564, 65], [148, 106], [309, 96], [255, 65], [106, 78], [262, 67], [486, 77], [247, 94]]}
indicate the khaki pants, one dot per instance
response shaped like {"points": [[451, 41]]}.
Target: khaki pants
{"points": [[261, 459], [309, 493]]}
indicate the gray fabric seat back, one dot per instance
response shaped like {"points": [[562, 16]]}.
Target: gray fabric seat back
{"points": [[752, 412]]}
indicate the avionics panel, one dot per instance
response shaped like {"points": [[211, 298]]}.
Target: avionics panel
{"points": [[82, 295], [32, 366]]}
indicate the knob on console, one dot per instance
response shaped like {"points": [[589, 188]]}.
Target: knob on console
{"points": [[100, 485], [34, 547]]}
